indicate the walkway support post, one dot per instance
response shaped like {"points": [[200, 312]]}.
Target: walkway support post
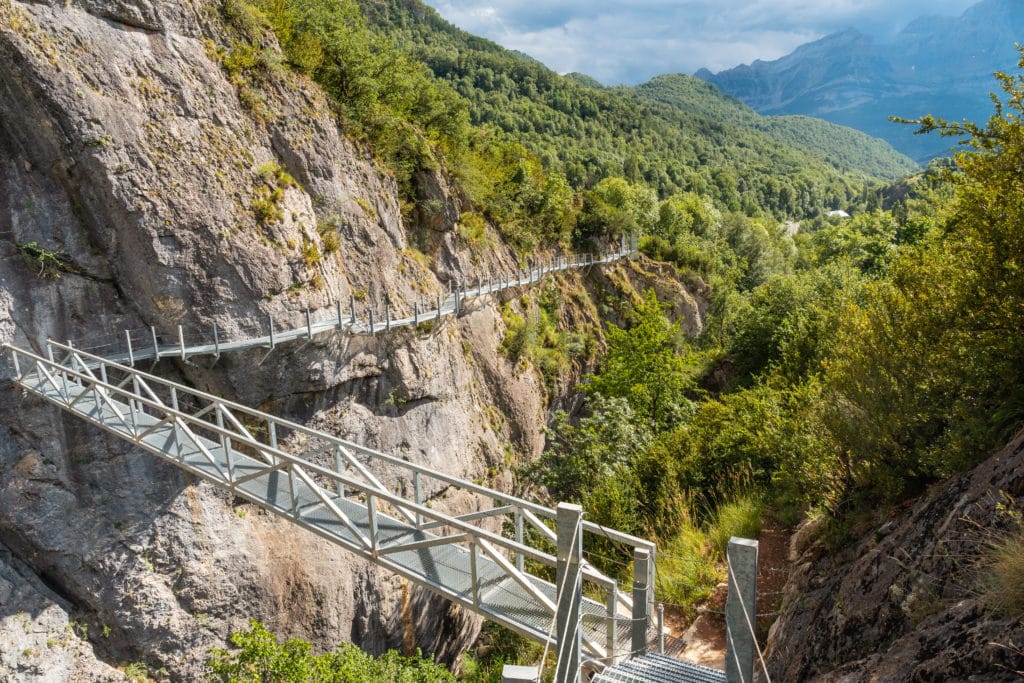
{"points": [[740, 610], [569, 590], [643, 589], [131, 355]]}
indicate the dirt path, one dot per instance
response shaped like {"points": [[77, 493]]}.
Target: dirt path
{"points": [[704, 637]]}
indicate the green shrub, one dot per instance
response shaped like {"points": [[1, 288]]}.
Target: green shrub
{"points": [[261, 657], [740, 517], [1002, 579], [46, 263]]}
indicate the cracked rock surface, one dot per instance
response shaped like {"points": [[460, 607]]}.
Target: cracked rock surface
{"points": [[904, 603]]}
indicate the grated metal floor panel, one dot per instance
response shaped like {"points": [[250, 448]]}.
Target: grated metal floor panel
{"points": [[655, 668]]}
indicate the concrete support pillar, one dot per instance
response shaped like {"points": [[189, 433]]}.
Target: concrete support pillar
{"points": [[740, 610], [569, 589]]}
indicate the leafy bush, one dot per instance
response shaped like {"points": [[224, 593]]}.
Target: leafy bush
{"points": [[644, 366], [261, 657]]}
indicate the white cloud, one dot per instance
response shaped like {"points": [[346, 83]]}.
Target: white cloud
{"points": [[619, 41]]}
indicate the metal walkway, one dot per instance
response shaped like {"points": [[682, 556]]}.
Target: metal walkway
{"points": [[655, 668], [136, 345], [494, 561]]}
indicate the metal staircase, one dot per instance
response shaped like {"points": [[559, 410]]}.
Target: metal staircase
{"points": [[485, 561]]}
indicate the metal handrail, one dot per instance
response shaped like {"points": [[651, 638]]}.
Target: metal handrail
{"points": [[365, 488], [505, 498]]}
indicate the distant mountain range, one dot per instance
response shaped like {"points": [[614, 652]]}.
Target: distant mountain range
{"points": [[936, 65]]}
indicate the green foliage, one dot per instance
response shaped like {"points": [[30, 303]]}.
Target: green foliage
{"points": [[789, 321], [615, 207], [843, 148], [643, 364], [536, 337], [272, 181], [868, 240], [687, 566], [260, 657], [46, 263], [592, 463], [740, 517]]}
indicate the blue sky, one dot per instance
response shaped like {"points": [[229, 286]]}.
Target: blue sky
{"points": [[617, 41]]}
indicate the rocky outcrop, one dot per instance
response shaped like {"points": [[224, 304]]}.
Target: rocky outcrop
{"points": [[165, 194], [905, 603]]}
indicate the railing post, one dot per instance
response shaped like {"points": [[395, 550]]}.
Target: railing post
{"points": [[270, 321], [225, 444], [131, 356], [611, 632], [181, 342], [373, 331], [309, 325], [337, 468], [474, 572], [415, 313], [740, 610], [569, 591], [132, 405], [387, 315], [519, 537], [643, 573], [417, 486], [439, 308], [216, 341], [177, 435], [156, 346], [371, 511], [661, 629]]}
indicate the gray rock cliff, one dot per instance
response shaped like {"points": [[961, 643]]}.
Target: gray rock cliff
{"points": [[905, 601]]}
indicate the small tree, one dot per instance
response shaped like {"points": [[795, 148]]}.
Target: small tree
{"points": [[644, 366]]}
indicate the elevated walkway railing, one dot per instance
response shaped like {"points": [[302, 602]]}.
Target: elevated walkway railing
{"points": [[376, 505], [352, 317]]}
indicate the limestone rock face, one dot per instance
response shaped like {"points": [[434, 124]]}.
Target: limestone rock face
{"points": [[42, 644], [904, 603]]}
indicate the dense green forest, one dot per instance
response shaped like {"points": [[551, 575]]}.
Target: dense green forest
{"points": [[668, 139], [846, 364], [529, 147]]}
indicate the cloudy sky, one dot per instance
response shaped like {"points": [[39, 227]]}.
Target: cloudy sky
{"points": [[619, 41]]}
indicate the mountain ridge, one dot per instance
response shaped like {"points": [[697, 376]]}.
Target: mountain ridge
{"points": [[935, 65]]}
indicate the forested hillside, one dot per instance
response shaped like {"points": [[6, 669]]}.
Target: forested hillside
{"points": [[846, 149], [675, 145]]}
